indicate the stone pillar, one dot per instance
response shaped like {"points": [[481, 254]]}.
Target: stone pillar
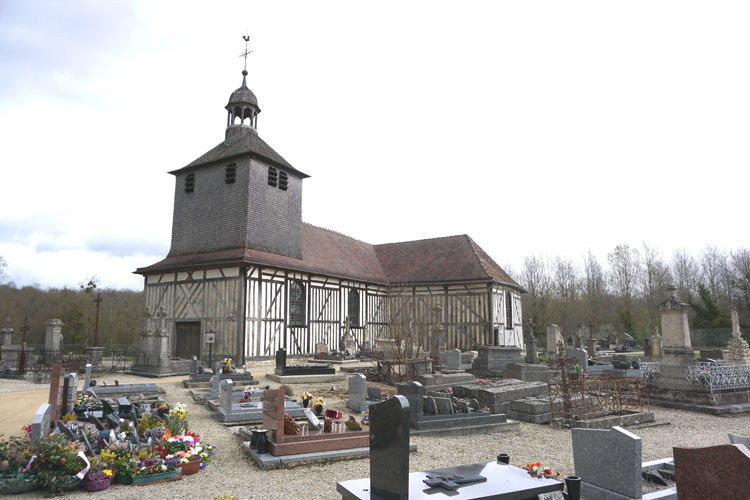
{"points": [[94, 355], [53, 339], [531, 347], [87, 378], [677, 349], [6, 336]]}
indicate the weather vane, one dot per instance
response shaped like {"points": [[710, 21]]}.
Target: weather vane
{"points": [[247, 51]]}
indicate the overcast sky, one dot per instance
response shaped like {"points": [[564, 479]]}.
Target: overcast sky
{"points": [[535, 127]]}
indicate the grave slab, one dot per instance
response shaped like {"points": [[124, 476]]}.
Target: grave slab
{"points": [[268, 461], [722, 470], [306, 379]]}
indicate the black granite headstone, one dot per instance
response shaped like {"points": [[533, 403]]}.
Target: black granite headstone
{"points": [[389, 449], [280, 359], [66, 394]]}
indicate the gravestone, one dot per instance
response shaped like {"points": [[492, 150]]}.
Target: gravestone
{"points": [[451, 360], [739, 351], [374, 394], [579, 357], [430, 406], [677, 349], [443, 406], [216, 382], [321, 348], [492, 360], [722, 470], [226, 394], [608, 462], [6, 336], [87, 378], [312, 418], [737, 439], [389, 449], [70, 387], [553, 338], [54, 392], [40, 424], [591, 346], [357, 393], [656, 344]]}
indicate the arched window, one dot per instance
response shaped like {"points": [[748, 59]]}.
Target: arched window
{"points": [[353, 301], [508, 310], [297, 304]]}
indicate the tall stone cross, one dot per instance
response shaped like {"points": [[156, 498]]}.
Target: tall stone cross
{"points": [[146, 329], [531, 329]]}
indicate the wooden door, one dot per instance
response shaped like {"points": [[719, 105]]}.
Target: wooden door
{"points": [[188, 342]]}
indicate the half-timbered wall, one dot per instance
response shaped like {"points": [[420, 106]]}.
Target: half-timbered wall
{"points": [[267, 326], [209, 296], [507, 335]]}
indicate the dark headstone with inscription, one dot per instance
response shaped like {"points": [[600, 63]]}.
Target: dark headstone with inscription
{"points": [[389, 449]]}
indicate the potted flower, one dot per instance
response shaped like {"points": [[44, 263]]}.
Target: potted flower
{"points": [[226, 365], [81, 404], [100, 475], [319, 405], [13, 459], [120, 459], [352, 423], [247, 395], [150, 469], [162, 409], [327, 425], [365, 418], [290, 426], [306, 397]]}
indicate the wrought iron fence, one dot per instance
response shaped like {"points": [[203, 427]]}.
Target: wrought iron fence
{"points": [[587, 398], [718, 376], [650, 370]]}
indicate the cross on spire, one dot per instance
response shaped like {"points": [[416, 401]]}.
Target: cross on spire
{"points": [[247, 52]]}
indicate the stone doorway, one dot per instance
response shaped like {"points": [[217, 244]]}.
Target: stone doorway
{"points": [[188, 339]]}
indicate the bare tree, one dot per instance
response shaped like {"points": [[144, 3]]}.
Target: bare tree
{"points": [[741, 266], [686, 275], [565, 290], [655, 279], [535, 277], [3, 269], [594, 289], [625, 267]]}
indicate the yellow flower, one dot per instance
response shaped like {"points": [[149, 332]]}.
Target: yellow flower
{"points": [[107, 472]]}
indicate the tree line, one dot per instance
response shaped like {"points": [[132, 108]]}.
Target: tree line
{"points": [[622, 294], [119, 313]]}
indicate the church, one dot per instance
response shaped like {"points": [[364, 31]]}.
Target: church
{"points": [[246, 268]]}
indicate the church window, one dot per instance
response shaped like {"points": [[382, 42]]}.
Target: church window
{"points": [[273, 176], [189, 183], [230, 174], [508, 310], [297, 303], [283, 181], [353, 300]]}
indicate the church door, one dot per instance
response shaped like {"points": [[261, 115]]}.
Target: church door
{"points": [[188, 342]]}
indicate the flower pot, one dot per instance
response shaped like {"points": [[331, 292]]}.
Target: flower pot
{"points": [[261, 446], [97, 484], [162, 413], [318, 410], [190, 467], [573, 485], [72, 483], [503, 458], [150, 478], [305, 403], [290, 429], [15, 486]]}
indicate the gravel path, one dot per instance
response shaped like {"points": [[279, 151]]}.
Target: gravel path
{"points": [[232, 471]]}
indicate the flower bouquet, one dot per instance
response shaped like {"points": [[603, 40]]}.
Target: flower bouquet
{"points": [[366, 418], [535, 469], [226, 365], [290, 426], [319, 405], [247, 394], [306, 397]]}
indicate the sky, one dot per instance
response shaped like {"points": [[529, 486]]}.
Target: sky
{"points": [[547, 128]]}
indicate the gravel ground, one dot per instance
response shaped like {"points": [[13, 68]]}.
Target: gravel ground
{"points": [[232, 472]]}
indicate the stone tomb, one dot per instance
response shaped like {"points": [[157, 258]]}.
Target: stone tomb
{"points": [[455, 360], [389, 468], [283, 369], [714, 472], [361, 396], [234, 412], [497, 396], [609, 464], [430, 413], [492, 359], [308, 440]]}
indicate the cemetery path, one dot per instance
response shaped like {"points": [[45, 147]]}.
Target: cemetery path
{"points": [[17, 409]]}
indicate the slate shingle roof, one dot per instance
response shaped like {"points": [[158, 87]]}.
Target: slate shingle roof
{"points": [[248, 143], [452, 259]]}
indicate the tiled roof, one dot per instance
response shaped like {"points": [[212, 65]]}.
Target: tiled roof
{"points": [[453, 259], [439, 260], [248, 143]]}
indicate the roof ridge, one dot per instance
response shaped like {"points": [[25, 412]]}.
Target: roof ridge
{"points": [[423, 239], [337, 232]]}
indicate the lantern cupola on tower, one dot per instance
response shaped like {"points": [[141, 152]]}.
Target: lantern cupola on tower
{"points": [[242, 108]]}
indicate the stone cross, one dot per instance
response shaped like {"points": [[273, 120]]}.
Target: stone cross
{"points": [[389, 449], [40, 424], [531, 329], [146, 329]]}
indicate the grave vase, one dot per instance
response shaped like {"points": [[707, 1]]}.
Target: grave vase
{"points": [[573, 485], [254, 439], [261, 445], [305, 402], [318, 410]]}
